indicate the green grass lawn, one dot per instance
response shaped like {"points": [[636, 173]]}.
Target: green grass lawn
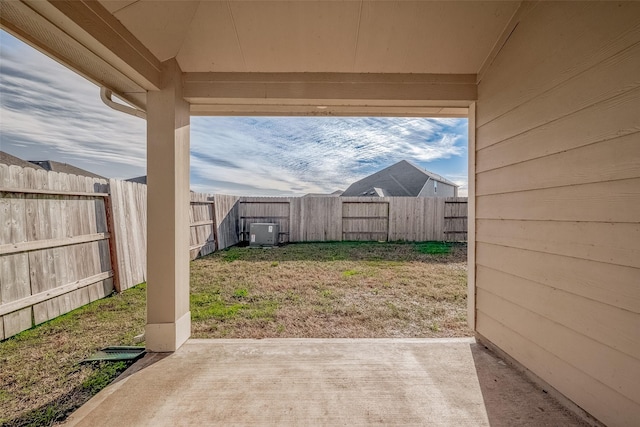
{"points": [[346, 289]]}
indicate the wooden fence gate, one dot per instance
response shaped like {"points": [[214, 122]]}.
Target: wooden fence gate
{"points": [[365, 221], [455, 219]]}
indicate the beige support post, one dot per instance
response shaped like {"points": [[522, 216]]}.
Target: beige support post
{"points": [[471, 222], [168, 315]]}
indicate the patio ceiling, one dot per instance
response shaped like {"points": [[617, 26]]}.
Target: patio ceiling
{"points": [[329, 36], [276, 57]]}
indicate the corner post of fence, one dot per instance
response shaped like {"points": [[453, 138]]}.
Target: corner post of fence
{"points": [[111, 228], [214, 222]]}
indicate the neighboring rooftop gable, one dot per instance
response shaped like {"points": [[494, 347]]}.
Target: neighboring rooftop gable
{"points": [[8, 159], [380, 192], [139, 179], [403, 179], [435, 176], [52, 165], [336, 193]]}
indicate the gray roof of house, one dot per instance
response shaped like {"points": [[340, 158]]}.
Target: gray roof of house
{"points": [[336, 193], [8, 159], [52, 165], [139, 179], [403, 179]]}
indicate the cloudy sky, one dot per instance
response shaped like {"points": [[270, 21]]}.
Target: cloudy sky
{"points": [[49, 113]]}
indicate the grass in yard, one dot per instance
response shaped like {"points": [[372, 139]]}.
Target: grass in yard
{"points": [[348, 289], [434, 248], [41, 381]]}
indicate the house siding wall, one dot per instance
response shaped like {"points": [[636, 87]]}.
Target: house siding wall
{"points": [[558, 202], [444, 190]]}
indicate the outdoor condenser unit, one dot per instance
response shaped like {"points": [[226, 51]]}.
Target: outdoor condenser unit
{"points": [[263, 234]]}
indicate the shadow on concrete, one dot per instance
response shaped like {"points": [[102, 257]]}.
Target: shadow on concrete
{"points": [[511, 399], [148, 360]]}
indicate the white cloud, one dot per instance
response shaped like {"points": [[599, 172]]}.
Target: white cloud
{"points": [[49, 112]]}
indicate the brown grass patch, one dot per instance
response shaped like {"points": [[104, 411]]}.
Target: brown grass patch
{"points": [[330, 290]]}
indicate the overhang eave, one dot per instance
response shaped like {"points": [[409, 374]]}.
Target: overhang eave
{"points": [[330, 94], [322, 108], [81, 38]]}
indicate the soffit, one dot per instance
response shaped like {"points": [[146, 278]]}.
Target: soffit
{"points": [[318, 36]]}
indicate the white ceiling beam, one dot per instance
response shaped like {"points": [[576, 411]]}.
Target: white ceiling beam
{"points": [[443, 95], [326, 110], [405, 87]]}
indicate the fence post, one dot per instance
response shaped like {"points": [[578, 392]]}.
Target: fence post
{"points": [[214, 222], [113, 252]]}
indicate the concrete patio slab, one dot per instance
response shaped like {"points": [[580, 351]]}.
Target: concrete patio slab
{"points": [[315, 382]]}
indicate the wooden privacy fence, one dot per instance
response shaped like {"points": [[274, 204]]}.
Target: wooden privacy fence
{"points": [[227, 214], [311, 219], [128, 214], [54, 245], [213, 226], [202, 228], [67, 240]]}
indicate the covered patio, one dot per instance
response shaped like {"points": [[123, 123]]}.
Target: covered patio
{"points": [[551, 92], [324, 382]]}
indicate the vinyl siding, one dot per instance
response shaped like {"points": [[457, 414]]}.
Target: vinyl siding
{"points": [[558, 202], [444, 190]]}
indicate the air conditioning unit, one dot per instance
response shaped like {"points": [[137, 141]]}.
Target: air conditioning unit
{"points": [[263, 234]]}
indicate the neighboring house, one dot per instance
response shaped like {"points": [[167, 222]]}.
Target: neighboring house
{"points": [[403, 179], [9, 160], [336, 193], [48, 165], [54, 166], [139, 179]]}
